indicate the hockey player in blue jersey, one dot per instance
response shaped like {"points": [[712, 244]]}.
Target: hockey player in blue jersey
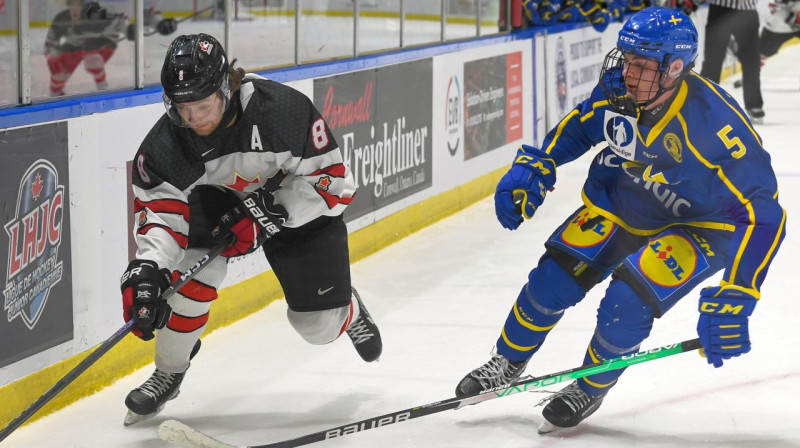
{"points": [[683, 190]]}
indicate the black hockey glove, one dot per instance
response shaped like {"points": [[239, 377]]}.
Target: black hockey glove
{"points": [[167, 26], [688, 6], [142, 286], [256, 219]]}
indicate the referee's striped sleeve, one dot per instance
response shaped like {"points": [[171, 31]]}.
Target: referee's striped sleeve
{"points": [[746, 5]]}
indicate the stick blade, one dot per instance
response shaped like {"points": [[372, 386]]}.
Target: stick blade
{"points": [[181, 434]]}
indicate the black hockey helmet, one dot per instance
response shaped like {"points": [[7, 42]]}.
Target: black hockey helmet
{"points": [[195, 67]]}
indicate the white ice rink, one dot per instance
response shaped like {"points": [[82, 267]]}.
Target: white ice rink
{"points": [[440, 298]]}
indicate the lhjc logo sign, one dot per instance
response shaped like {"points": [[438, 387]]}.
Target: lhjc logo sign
{"points": [[34, 238], [453, 115]]}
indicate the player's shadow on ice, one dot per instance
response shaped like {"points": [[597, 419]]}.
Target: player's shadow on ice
{"points": [[283, 413]]}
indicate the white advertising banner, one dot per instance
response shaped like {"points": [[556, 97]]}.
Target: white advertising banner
{"points": [[573, 60]]}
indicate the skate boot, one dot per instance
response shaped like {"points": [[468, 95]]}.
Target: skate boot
{"points": [[498, 371], [148, 400], [567, 408], [756, 115], [364, 333]]}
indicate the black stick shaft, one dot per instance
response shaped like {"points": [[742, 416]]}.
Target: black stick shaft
{"points": [[105, 346]]}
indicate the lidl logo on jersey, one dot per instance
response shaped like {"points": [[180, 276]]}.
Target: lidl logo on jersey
{"points": [[587, 233], [668, 260], [620, 133], [34, 239]]}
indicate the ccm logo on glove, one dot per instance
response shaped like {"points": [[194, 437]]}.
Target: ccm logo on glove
{"points": [[720, 308]]}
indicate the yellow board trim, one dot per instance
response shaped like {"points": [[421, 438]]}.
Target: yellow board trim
{"points": [[234, 303]]}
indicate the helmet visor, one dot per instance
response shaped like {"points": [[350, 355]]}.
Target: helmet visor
{"points": [[203, 115]]}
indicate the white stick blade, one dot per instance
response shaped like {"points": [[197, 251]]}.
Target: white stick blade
{"points": [[181, 434]]}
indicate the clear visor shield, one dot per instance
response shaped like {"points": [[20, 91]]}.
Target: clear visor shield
{"points": [[201, 114]]}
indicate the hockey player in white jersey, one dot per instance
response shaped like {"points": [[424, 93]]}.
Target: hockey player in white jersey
{"points": [[236, 155]]}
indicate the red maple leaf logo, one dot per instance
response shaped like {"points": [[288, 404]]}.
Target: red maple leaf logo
{"points": [[37, 187], [240, 183], [324, 183]]}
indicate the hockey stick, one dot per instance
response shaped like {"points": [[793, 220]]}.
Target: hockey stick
{"points": [[131, 37], [107, 345], [181, 434]]}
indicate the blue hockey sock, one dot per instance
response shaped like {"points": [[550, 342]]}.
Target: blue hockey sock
{"points": [[526, 327], [623, 322]]}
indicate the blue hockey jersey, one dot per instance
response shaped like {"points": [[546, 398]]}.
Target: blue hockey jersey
{"points": [[702, 164]]}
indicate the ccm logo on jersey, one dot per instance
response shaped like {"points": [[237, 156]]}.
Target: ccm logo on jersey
{"points": [[261, 217]]}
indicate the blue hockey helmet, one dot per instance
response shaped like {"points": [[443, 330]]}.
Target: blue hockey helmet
{"points": [[662, 34]]}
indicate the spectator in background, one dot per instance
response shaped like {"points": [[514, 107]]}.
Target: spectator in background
{"points": [[737, 18], [82, 32], [782, 24], [599, 13]]}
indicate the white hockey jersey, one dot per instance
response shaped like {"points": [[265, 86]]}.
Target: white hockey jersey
{"points": [[278, 132]]}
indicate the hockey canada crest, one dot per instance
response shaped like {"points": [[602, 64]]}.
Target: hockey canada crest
{"points": [[34, 235]]}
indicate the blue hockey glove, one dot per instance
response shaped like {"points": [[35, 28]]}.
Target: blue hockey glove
{"points": [[570, 14], [722, 326], [523, 188], [600, 19]]}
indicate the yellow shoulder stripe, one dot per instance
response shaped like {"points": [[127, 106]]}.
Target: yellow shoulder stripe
{"points": [[714, 89], [595, 105], [560, 129], [751, 214]]}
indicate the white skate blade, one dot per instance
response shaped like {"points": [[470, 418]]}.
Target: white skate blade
{"points": [[547, 427], [132, 418]]}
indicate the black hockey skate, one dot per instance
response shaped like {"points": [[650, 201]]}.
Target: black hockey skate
{"points": [[364, 333], [567, 408], [148, 400], [498, 371], [756, 115]]}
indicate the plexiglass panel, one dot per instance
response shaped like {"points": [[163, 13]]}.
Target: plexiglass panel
{"points": [[164, 20], [263, 33], [9, 79], [379, 25], [79, 47]]}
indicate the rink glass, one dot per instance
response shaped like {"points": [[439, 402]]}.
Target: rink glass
{"points": [[261, 34]]}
